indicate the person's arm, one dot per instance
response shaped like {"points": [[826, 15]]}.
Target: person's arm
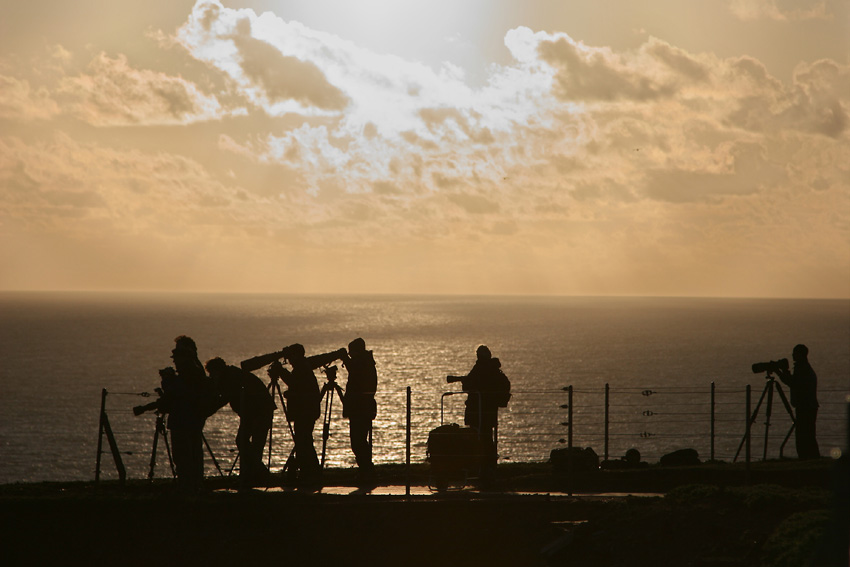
{"points": [[786, 376], [276, 370]]}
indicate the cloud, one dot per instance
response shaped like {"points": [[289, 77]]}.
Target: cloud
{"points": [[282, 77], [776, 9], [20, 102], [112, 93], [475, 204], [817, 102], [567, 153], [116, 192], [598, 74], [564, 124]]}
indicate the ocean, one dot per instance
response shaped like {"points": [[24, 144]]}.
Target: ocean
{"points": [[658, 356]]}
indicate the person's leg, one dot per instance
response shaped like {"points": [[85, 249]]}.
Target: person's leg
{"points": [[259, 433], [359, 431], [305, 452], [181, 453], [806, 437]]}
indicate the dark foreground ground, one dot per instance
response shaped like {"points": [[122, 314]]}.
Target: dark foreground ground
{"points": [[779, 513]]}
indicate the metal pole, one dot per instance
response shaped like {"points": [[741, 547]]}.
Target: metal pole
{"points": [[712, 421], [767, 417], [607, 399], [100, 434], [749, 428], [407, 443], [570, 455], [570, 418]]}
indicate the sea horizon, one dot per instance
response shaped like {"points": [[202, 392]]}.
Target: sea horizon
{"points": [[414, 294]]}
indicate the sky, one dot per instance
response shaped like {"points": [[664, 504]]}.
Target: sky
{"points": [[570, 147]]}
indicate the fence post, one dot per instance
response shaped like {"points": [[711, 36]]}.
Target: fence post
{"points": [[749, 427], [407, 443], [570, 455], [100, 434], [105, 428], [607, 397], [570, 418], [712, 421]]}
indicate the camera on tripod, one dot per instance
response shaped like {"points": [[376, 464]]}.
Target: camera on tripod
{"points": [[168, 379], [330, 372], [772, 366]]}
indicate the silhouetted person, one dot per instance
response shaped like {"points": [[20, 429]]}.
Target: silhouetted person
{"points": [[359, 404], [250, 399], [189, 403], [488, 389], [303, 404], [803, 383]]}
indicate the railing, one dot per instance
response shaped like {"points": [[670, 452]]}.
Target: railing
{"points": [[654, 420]]}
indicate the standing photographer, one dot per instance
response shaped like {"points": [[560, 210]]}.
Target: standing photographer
{"points": [[358, 404], [803, 383], [250, 400], [303, 403], [189, 403], [488, 389]]}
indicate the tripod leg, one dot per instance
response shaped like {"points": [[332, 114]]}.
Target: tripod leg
{"points": [[326, 422], [291, 466], [233, 466], [212, 455], [271, 429], [274, 386], [785, 402], [751, 422], [153, 450], [767, 414], [164, 434], [790, 413]]}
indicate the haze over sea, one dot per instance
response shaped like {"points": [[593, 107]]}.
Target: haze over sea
{"points": [[60, 349]]}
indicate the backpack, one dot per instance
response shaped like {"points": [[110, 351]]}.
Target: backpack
{"points": [[501, 389]]}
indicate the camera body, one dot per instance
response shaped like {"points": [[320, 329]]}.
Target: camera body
{"points": [[772, 366], [330, 371], [453, 379], [168, 380]]}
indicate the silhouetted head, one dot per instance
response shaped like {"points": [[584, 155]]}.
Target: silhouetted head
{"points": [[295, 351], [357, 346], [800, 353], [632, 456], [185, 344], [215, 366], [483, 353]]}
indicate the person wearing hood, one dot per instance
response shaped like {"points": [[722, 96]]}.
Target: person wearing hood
{"points": [[359, 404]]}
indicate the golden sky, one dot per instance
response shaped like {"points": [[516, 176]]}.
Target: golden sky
{"points": [[571, 147]]}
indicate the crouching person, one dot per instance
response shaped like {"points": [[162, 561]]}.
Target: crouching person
{"points": [[250, 399]]}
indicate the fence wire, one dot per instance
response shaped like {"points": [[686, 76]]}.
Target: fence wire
{"points": [[653, 420]]}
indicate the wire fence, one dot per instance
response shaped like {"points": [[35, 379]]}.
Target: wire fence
{"points": [[610, 420]]}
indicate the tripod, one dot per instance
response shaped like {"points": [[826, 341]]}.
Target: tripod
{"points": [[769, 387], [160, 430], [274, 387], [328, 395]]}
